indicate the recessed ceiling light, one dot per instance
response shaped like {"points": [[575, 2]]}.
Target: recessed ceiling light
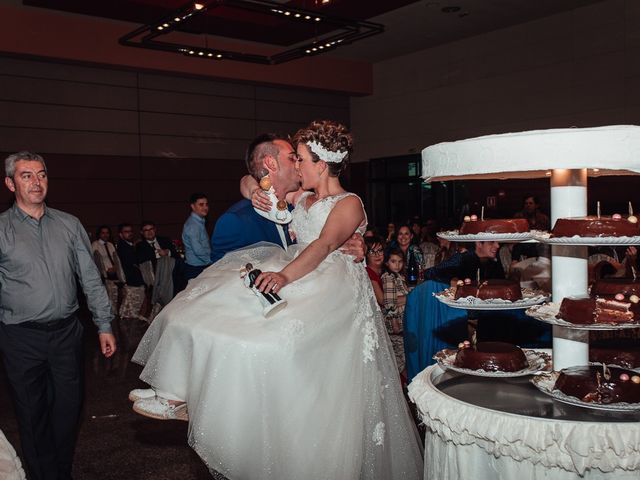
{"points": [[198, 6]]}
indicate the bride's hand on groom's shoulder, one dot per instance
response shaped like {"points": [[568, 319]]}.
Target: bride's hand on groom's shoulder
{"points": [[260, 200], [270, 282]]}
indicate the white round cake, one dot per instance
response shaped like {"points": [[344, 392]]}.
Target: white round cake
{"points": [[611, 150]]}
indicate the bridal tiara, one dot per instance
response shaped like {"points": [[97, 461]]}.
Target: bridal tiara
{"points": [[326, 155]]}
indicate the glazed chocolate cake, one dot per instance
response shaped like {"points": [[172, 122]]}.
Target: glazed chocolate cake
{"points": [[592, 226], [599, 384], [589, 310], [499, 225], [624, 352], [610, 287], [492, 357], [494, 288]]}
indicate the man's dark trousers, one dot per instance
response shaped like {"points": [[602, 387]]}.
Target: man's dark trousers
{"points": [[44, 365]]}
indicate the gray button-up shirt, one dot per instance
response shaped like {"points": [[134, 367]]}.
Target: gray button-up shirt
{"points": [[39, 264]]}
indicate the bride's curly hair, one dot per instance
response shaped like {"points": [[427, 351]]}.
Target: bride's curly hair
{"points": [[333, 136]]}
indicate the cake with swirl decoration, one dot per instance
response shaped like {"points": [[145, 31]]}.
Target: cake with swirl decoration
{"points": [[598, 225], [600, 384], [490, 356]]}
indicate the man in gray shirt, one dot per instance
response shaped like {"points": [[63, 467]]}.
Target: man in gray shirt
{"points": [[42, 253]]}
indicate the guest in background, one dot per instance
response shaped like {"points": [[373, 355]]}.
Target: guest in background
{"points": [[416, 230], [133, 290], [446, 250], [412, 253], [197, 249], [395, 293], [108, 263], [371, 231], [430, 243], [159, 264], [531, 212], [391, 233], [375, 261]]}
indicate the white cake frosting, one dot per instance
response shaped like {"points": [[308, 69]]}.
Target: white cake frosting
{"points": [[612, 150]]}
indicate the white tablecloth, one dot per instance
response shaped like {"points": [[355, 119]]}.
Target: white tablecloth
{"points": [[10, 466], [464, 441]]}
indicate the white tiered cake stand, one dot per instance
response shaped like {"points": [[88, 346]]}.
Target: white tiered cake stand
{"points": [[488, 428], [567, 156]]}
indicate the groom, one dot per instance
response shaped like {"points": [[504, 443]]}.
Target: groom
{"points": [[240, 226]]}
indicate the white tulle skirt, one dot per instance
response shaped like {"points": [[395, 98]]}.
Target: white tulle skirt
{"points": [[310, 393]]}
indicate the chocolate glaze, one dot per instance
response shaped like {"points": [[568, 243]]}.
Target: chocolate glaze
{"points": [[624, 352], [579, 310], [588, 384], [589, 310], [610, 287], [593, 226], [499, 225], [494, 288], [492, 357]]}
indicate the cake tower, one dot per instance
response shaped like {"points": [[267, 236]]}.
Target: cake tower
{"points": [[567, 156]]}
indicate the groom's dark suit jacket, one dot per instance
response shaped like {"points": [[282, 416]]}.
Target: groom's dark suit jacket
{"points": [[240, 226]]}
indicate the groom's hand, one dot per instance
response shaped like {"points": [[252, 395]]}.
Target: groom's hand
{"points": [[355, 247]]}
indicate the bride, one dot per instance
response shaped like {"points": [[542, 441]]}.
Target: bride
{"points": [[311, 392]]}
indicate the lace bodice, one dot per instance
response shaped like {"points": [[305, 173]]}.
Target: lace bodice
{"points": [[307, 224]]}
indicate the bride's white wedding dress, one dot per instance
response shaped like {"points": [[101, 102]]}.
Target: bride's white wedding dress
{"points": [[310, 393]]}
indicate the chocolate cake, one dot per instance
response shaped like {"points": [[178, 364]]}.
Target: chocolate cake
{"points": [[610, 287], [599, 384], [592, 226], [494, 288], [492, 357], [499, 225], [624, 352], [590, 310]]}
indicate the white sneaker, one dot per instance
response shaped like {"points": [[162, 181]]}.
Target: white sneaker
{"points": [[140, 393], [160, 409]]}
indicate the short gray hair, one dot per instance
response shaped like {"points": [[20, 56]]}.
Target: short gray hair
{"points": [[10, 161]]}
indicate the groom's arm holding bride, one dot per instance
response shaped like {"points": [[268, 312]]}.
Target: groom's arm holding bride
{"points": [[343, 220], [250, 189]]}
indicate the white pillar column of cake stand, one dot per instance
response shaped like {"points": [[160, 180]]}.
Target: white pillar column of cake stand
{"points": [[569, 265]]}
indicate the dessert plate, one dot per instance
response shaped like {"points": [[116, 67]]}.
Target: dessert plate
{"points": [[545, 382], [529, 298], [547, 312], [586, 241], [455, 236], [538, 362]]}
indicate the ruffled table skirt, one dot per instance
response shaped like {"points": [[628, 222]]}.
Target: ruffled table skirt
{"points": [[464, 441]]}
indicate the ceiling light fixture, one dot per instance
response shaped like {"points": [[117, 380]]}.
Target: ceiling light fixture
{"points": [[327, 31]]}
